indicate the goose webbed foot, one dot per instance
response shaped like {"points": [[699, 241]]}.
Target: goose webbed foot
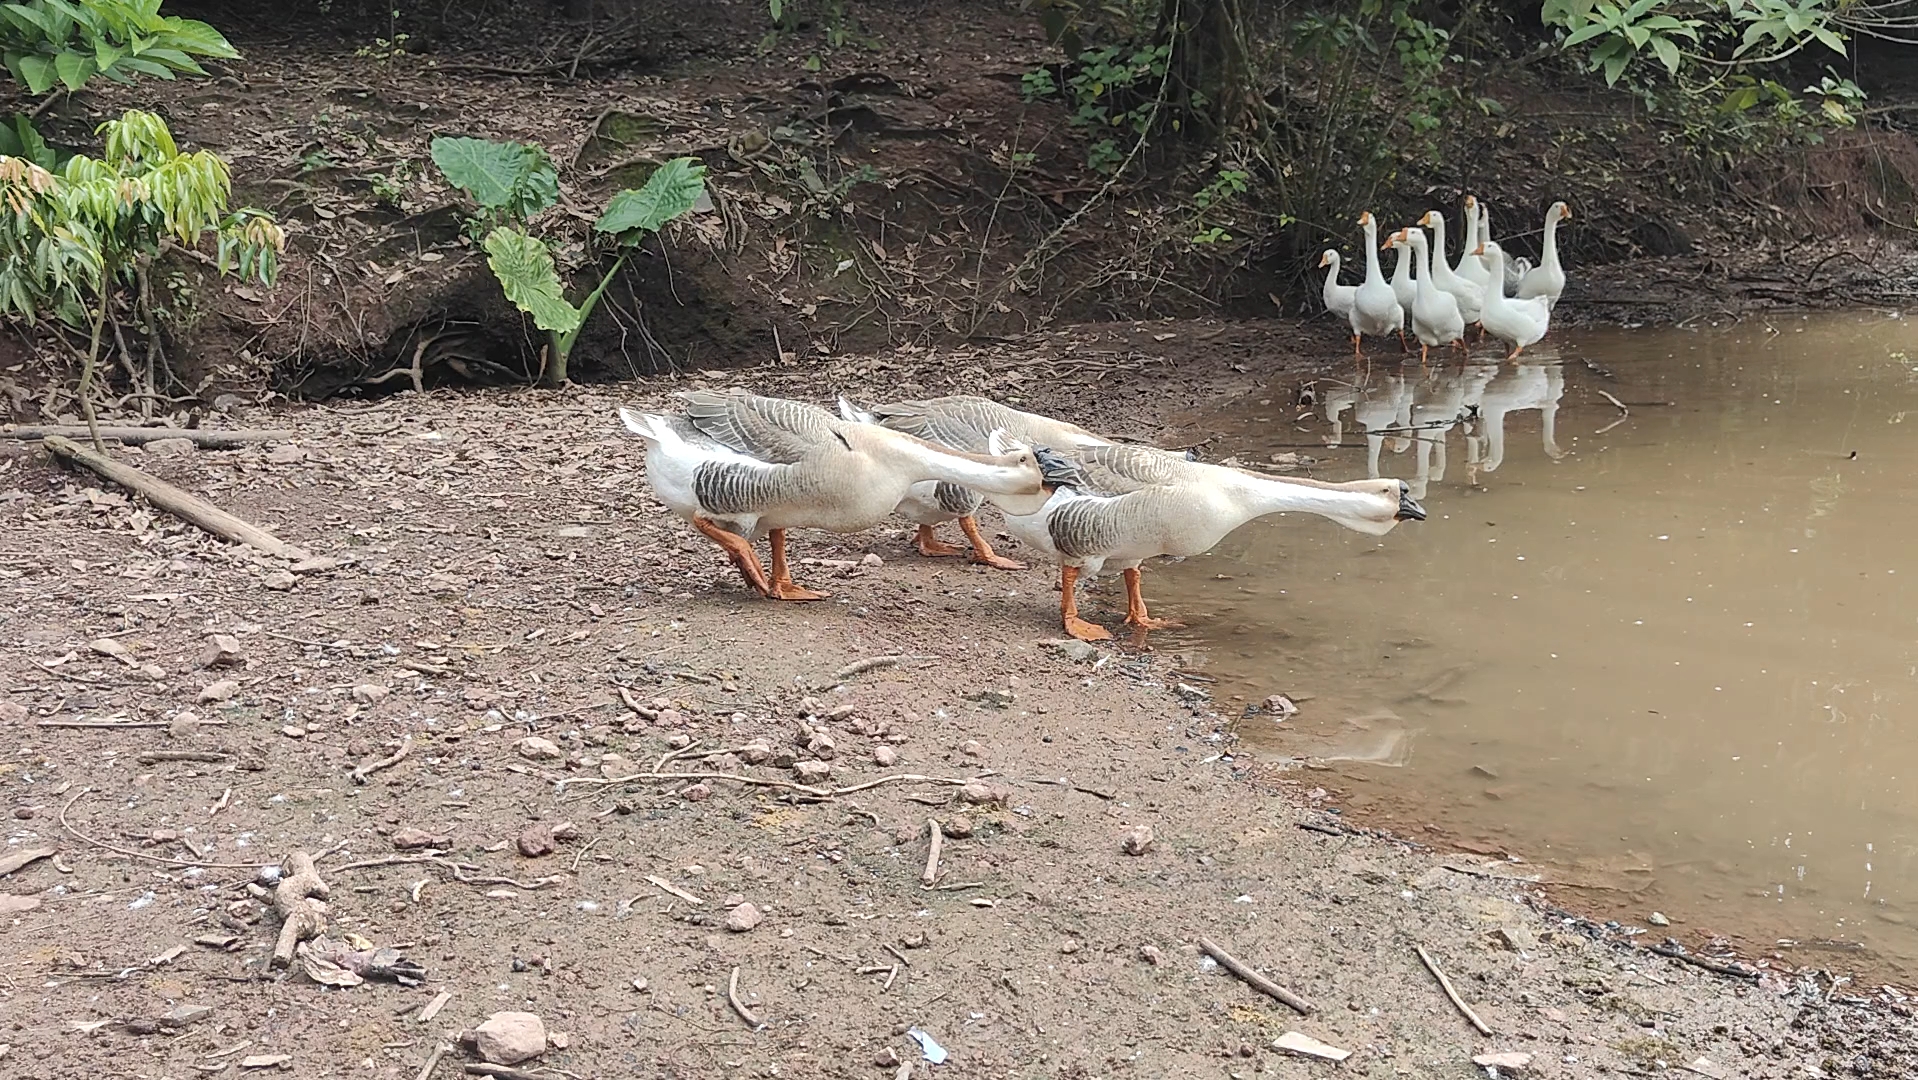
{"points": [[740, 551], [982, 552], [931, 546], [1069, 609], [1086, 631], [783, 587], [1135, 612]]}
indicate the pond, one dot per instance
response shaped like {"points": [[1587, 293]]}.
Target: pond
{"points": [[1659, 635]]}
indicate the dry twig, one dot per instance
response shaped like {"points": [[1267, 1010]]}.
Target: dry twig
{"points": [[1445, 984], [368, 768], [1253, 979], [298, 900], [732, 997], [934, 835]]}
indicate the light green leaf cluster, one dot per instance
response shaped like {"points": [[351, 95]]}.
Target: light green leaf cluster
{"points": [[48, 43]]}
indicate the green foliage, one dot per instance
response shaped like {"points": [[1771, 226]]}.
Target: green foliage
{"points": [[673, 189], [48, 43], [1229, 184], [1107, 87], [75, 242], [22, 140], [510, 181], [524, 267]]}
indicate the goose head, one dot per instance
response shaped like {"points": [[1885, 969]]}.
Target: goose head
{"points": [[1365, 219], [1561, 211], [1329, 258], [1494, 257], [1390, 502], [1396, 240], [1431, 218]]}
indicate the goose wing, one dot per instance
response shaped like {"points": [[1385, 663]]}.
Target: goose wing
{"points": [[773, 430], [1084, 526], [964, 422], [1119, 468]]}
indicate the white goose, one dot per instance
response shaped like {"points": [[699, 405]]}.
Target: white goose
{"points": [[740, 466], [1404, 288], [1516, 266], [1132, 503], [1547, 279], [1375, 307], [1436, 319], [1470, 267], [1470, 297], [1337, 297], [964, 423], [1517, 323]]}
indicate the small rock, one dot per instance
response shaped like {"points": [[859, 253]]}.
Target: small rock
{"points": [[1069, 946], [972, 749], [1508, 1060], [293, 731], [24, 813], [678, 741], [957, 828], [370, 693], [1306, 1046], [639, 985], [409, 838], [142, 1026], [981, 794], [812, 772], [743, 918], [992, 698], [285, 454], [1658, 919], [222, 650], [1280, 706], [697, 792], [219, 691], [1137, 840], [535, 840], [1710, 1068], [821, 746], [279, 580], [1151, 955], [782, 759], [870, 559], [171, 447], [885, 756], [1515, 938], [732, 900], [12, 712], [1077, 651], [534, 748], [757, 752], [185, 1014], [508, 1038], [671, 718], [561, 1040], [887, 1059], [184, 724]]}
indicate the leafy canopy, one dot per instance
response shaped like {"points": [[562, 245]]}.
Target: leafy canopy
{"points": [[68, 42]]}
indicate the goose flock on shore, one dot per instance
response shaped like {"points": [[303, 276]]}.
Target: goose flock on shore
{"points": [[1511, 301]]}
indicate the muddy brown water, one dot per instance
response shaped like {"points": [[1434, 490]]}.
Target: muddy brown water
{"points": [[1671, 661]]}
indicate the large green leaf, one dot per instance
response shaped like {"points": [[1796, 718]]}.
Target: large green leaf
{"points": [[525, 270], [672, 190], [501, 176], [35, 70]]}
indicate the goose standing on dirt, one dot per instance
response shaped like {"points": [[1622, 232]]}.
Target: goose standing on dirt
{"points": [[1547, 279], [1375, 307], [1337, 297], [1517, 323], [1135, 503], [964, 423], [739, 466]]}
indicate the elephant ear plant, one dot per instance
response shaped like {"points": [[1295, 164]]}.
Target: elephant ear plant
{"points": [[512, 182]]}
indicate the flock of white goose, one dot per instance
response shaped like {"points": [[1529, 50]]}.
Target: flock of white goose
{"points": [[740, 467], [1440, 299]]}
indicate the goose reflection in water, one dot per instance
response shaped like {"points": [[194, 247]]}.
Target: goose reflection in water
{"points": [[1397, 413]]}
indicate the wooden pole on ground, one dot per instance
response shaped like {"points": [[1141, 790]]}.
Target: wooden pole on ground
{"points": [[188, 508], [136, 435]]}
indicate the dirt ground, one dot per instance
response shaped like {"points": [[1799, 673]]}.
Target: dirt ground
{"points": [[502, 575]]}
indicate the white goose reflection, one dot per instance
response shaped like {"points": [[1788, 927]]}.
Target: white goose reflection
{"points": [[1528, 384]]}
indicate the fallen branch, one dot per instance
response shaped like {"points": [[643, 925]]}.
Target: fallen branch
{"points": [[1445, 984], [762, 781], [675, 890], [189, 508], [298, 899], [499, 1072], [1253, 979], [154, 757], [732, 998], [433, 1062], [935, 835], [873, 663], [135, 436], [61, 817], [103, 725], [1718, 967], [368, 768], [460, 871]]}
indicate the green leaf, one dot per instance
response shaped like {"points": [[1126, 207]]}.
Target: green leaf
{"points": [[509, 176], [672, 190], [1614, 67], [36, 71], [194, 36], [74, 68], [1829, 39], [1667, 53], [1586, 33], [524, 267]]}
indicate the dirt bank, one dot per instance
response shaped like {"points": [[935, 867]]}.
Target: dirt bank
{"points": [[507, 578]]}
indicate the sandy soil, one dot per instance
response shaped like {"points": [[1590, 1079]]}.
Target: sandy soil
{"points": [[505, 576]]}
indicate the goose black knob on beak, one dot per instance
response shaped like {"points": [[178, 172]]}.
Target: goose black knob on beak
{"points": [[1409, 508]]}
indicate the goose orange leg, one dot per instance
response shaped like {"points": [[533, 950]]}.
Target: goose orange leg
{"points": [[783, 587], [1404, 345], [1135, 613], [982, 552], [931, 546], [1069, 609], [739, 551]]}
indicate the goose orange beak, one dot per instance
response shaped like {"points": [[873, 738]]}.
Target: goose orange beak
{"points": [[1480, 250]]}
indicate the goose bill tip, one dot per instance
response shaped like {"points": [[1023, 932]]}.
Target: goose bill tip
{"points": [[1409, 509]]}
